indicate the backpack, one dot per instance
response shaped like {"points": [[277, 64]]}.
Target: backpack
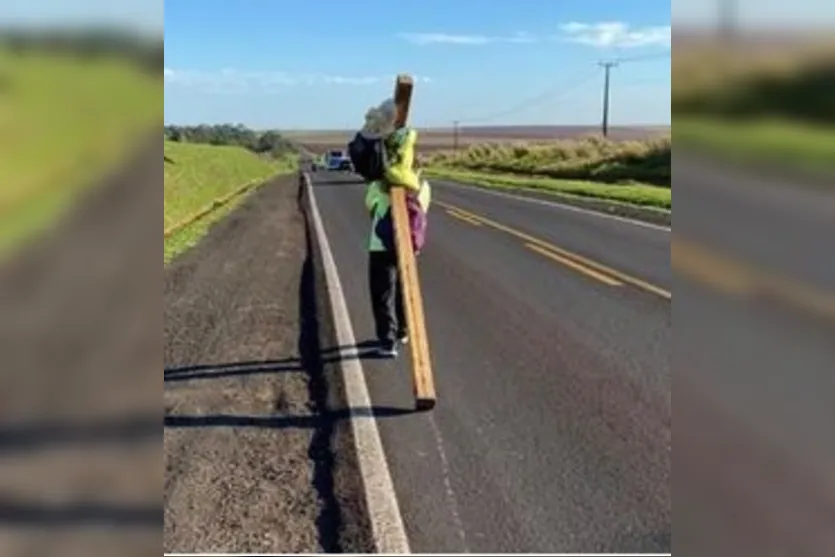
{"points": [[368, 155], [417, 224]]}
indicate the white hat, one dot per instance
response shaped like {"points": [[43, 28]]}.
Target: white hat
{"points": [[379, 120]]}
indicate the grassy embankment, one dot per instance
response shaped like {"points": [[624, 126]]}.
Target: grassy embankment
{"points": [[774, 107], [197, 175], [64, 122], [632, 172]]}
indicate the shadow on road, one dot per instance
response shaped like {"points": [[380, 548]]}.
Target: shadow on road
{"points": [[218, 371], [51, 435], [363, 350], [80, 514], [322, 420], [281, 422], [17, 440]]}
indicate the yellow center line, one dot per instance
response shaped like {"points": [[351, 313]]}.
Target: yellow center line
{"points": [[576, 266], [699, 265], [735, 278], [576, 258], [465, 218]]}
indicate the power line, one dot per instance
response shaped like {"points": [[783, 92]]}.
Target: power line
{"points": [[559, 92], [645, 58], [549, 95]]}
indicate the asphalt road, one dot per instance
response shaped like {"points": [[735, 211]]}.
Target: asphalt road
{"points": [[553, 430], [755, 284]]}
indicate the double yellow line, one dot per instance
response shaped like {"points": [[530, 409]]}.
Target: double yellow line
{"points": [[688, 260], [462, 216], [597, 271], [737, 279]]}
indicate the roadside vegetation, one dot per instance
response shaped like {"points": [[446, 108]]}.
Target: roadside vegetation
{"points": [[632, 172], [71, 108], [269, 143], [758, 105], [198, 175]]}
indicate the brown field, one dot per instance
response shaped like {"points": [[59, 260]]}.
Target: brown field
{"points": [[763, 42], [701, 53], [438, 139]]}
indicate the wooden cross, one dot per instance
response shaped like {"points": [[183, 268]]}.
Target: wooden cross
{"points": [[422, 378]]}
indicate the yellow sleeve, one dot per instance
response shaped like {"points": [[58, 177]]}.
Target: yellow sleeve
{"points": [[402, 173]]}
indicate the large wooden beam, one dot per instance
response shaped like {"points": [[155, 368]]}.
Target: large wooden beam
{"points": [[422, 377]]}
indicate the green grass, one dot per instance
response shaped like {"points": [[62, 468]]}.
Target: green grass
{"points": [[632, 172], [634, 194], [196, 175], [774, 107], [789, 144], [64, 122], [589, 159]]}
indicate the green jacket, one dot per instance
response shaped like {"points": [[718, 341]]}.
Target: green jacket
{"points": [[378, 202], [400, 148]]}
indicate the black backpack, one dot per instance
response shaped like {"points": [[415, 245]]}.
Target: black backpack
{"points": [[368, 155]]}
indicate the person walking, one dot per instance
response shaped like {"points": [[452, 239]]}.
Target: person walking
{"points": [[396, 164]]}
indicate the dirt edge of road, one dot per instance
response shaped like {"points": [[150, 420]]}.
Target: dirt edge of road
{"points": [[260, 454], [355, 531]]}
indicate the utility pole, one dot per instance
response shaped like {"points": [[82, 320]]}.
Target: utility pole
{"points": [[455, 136], [607, 67], [728, 19]]}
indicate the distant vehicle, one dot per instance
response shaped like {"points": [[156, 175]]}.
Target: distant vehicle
{"points": [[338, 160]]}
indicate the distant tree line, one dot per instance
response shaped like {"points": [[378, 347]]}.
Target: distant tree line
{"points": [[89, 43], [265, 143]]}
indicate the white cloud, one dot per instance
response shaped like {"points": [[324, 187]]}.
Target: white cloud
{"points": [[350, 80], [230, 80], [227, 77], [520, 38], [605, 34], [615, 34], [424, 39], [444, 38]]}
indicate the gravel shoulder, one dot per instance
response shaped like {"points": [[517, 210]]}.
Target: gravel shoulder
{"points": [[80, 443], [257, 456]]}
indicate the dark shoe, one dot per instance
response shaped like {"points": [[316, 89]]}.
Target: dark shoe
{"points": [[387, 350], [403, 337]]}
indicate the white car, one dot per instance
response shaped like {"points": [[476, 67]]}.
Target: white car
{"points": [[337, 160]]}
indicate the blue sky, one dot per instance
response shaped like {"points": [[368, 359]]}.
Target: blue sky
{"points": [[774, 14], [276, 63]]}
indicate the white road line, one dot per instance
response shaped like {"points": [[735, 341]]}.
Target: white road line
{"points": [[386, 520], [562, 206]]}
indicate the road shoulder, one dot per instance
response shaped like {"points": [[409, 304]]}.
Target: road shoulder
{"points": [[255, 461]]}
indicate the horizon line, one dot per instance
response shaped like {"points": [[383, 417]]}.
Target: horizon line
{"points": [[433, 127]]}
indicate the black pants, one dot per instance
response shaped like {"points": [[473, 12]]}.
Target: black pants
{"points": [[386, 296]]}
